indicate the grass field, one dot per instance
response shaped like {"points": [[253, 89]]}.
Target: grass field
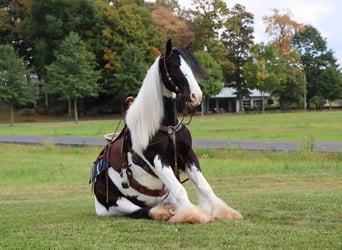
{"points": [[289, 201], [320, 126]]}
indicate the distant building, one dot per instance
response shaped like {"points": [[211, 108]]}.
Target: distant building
{"points": [[226, 101]]}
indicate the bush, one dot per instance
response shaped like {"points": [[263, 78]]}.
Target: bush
{"points": [[28, 113], [316, 102]]}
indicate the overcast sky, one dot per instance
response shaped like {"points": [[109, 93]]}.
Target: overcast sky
{"points": [[324, 15]]}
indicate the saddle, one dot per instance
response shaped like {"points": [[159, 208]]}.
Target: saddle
{"points": [[114, 155]]}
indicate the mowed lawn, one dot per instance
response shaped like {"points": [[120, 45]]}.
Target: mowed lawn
{"points": [[290, 200], [297, 126]]}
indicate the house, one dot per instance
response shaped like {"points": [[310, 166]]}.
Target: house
{"points": [[226, 100]]}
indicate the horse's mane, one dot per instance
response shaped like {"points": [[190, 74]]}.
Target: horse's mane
{"points": [[147, 111], [145, 114]]}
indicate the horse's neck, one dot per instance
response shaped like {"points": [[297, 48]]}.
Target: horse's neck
{"points": [[170, 112]]}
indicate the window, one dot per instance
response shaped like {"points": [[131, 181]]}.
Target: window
{"points": [[246, 103], [257, 103]]}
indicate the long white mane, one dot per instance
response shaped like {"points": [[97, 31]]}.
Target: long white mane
{"points": [[145, 114]]}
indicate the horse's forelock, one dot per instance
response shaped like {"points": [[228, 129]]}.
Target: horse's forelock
{"points": [[192, 62]]}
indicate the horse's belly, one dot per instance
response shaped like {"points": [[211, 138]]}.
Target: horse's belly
{"points": [[144, 179]]}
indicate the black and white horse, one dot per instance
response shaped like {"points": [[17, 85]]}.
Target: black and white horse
{"points": [[139, 168]]}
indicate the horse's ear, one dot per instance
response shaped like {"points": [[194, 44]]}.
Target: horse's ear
{"points": [[188, 45], [168, 48]]}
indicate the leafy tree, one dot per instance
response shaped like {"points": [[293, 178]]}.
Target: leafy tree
{"points": [[265, 71], [48, 22], [72, 75], [238, 38], [282, 28], [170, 26], [11, 15], [125, 24], [214, 77], [14, 86], [290, 88], [132, 72], [135, 26], [206, 20], [330, 84], [315, 59], [169, 4]]}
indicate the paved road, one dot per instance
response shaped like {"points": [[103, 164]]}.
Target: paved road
{"points": [[220, 144]]}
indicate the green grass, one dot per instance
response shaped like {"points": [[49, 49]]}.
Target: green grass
{"points": [[289, 200], [321, 126]]}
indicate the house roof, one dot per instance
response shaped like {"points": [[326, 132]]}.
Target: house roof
{"points": [[230, 93]]}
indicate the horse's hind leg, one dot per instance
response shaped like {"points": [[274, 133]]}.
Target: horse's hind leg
{"points": [[114, 203], [208, 201]]}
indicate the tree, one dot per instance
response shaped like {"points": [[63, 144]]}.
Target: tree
{"points": [[238, 38], [11, 15], [170, 26], [265, 72], [15, 88], [172, 5], [282, 28], [206, 20], [47, 23], [72, 75], [214, 77], [330, 84], [124, 24], [132, 72], [315, 60]]}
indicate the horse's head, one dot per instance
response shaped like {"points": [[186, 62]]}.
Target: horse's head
{"points": [[180, 72]]}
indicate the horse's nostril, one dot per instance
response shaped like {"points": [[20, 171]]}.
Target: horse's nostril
{"points": [[193, 96]]}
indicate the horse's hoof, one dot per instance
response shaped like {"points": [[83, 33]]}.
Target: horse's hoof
{"points": [[193, 215], [162, 213], [231, 215], [225, 212]]}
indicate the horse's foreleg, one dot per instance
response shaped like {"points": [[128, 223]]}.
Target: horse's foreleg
{"points": [[208, 201], [185, 211]]}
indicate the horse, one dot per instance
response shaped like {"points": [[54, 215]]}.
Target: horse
{"points": [[137, 173]]}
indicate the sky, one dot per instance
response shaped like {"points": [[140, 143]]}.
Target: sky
{"points": [[324, 15]]}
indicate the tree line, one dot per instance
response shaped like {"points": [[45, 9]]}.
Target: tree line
{"points": [[89, 55]]}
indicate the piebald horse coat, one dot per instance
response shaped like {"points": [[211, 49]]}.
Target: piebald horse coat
{"points": [[139, 179]]}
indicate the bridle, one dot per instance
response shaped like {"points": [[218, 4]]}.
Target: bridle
{"points": [[169, 78]]}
